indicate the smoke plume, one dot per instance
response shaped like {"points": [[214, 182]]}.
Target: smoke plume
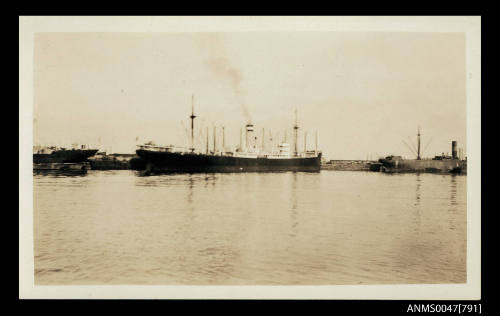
{"points": [[223, 68]]}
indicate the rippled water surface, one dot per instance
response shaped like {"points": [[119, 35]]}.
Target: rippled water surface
{"points": [[332, 227]]}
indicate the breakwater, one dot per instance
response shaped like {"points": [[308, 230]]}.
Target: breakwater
{"points": [[347, 165], [117, 162]]}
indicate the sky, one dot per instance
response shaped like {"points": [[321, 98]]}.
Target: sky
{"points": [[365, 94]]}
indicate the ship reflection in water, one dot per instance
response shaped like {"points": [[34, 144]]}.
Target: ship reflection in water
{"points": [[60, 173], [114, 227]]}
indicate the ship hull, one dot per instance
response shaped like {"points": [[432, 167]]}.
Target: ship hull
{"points": [[430, 166], [179, 162], [65, 156]]}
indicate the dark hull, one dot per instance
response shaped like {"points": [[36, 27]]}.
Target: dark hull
{"points": [[424, 165], [65, 156], [177, 162]]}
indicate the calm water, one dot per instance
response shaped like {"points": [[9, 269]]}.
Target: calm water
{"points": [[332, 227]]}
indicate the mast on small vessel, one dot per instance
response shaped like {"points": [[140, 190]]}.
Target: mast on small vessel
{"points": [[296, 133], [192, 123], [418, 144]]}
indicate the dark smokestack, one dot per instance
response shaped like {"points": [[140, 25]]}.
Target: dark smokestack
{"points": [[454, 149]]}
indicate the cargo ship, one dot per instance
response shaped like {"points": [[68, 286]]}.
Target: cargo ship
{"points": [[439, 164], [62, 155], [247, 158], [62, 159]]}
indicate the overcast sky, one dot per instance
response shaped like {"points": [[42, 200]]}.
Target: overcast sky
{"points": [[363, 92]]}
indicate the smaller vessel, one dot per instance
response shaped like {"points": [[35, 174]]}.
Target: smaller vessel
{"points": [[60, 159], [439, 164], [55, 154]]}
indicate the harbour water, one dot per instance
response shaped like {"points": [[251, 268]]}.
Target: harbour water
{"points": [[290, 228]]}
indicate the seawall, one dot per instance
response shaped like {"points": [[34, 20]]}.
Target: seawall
{"points": [[111, 162], [347, 165]]}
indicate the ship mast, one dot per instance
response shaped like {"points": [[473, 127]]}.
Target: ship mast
{"points": [[296, 131], [271, 143], [305, 142], [418, 144], [316, 143], [223, 139], [241, 139], [207, 140], [263, 140], [192, 123], [215, 138], [246, 138]]}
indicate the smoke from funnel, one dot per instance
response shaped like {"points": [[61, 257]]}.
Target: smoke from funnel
{"points": [[222, 67]]}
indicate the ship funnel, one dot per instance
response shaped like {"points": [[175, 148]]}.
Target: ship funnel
{"points": [[454, 149], [248, 134]]}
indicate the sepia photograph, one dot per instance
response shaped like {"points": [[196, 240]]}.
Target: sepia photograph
{"points": [[250, 157]]}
